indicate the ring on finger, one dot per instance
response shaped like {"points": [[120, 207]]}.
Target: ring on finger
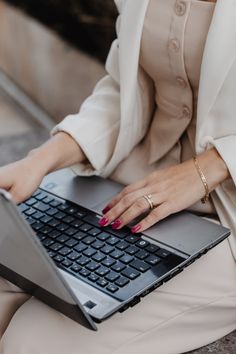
{"points": [[148, 198]]}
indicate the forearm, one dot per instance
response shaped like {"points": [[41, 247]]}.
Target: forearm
{"points": [[58, 152]]}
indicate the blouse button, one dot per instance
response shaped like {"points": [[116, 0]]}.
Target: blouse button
{"points": [[181, 82], [180, 8], [174, 44], [186, 112]]}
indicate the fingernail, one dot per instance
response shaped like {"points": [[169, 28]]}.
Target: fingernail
{"points": [[136, 228], [106, 209], [103, 221], [116, 224]]}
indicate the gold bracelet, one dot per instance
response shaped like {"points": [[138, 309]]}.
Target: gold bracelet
{"points": [[203, 179]]}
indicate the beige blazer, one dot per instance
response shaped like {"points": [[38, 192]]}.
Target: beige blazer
{"points": [[113, 120]]}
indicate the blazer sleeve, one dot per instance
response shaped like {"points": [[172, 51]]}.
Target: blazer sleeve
{"points": [[96, 127]]}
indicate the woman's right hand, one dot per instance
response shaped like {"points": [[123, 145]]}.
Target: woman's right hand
{"points": [[21, 178]]}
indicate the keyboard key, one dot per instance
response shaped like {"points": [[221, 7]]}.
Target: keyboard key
{"points": [[71, 242], [74, 256], [152, 248], [112, 276], [88, 240], [118, 267], [72, 209], [51, 221], [71, 231], [55, 203], [126, 259], [132, 239], [79, 235], [62, 238], [56, 247], [94, 231], [89, 252], [91, 219], [63, 206], [93, 277], [117, 254], [23, 207], [92, 266], [108, 262], [67, 263], [98, 244], [38, 215], [113, 240], [132, 250], [140, 265], [51, 254], [52, 211], [107, 249], [46, 230], [99, 257], [31, 201], [84, 272], [41, 236], [54, 234], [152, 259], [103, 236], [121, 233], [59, 215], [102, 271], [30, 211], [122, 245], [130, 273], [76, 223], [122, 281], [45, 219], [80, 247], [37, 225], [30, 221], [47, 242], [142, 243], [112, 288], [37, 192], [40, 196], [41, 206], [58, 258], [62, 227], [65, 251], [163, 253], [142, 254], [102, 282], [68, 219], [76, 268], [83, 261], [85, 227]]}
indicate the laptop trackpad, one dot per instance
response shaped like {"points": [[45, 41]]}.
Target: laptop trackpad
{"points": [[91, 192]]}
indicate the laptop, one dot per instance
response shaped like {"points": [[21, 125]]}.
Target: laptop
{"points": [[52, 247]]}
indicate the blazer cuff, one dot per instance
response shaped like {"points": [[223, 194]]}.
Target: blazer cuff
{"points": [[226, 147], [97, 142]]}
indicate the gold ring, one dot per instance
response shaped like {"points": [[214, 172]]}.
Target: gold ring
{"points": [[148, 198]]}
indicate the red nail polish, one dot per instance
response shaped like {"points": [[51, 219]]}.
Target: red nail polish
{"points": [[136, 228], [106, 209], [103, 221], [116, 224]]}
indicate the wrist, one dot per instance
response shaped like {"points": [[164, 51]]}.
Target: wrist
{"points": [[213, 167]]}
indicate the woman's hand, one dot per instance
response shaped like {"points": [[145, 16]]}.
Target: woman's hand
{"points": [[172, 190], [21, 178]]}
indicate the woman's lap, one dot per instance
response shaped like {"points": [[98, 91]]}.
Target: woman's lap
{"points": [[196, 307]]}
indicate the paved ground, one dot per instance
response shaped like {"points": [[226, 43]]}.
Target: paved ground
{"points": [[19, 132]]}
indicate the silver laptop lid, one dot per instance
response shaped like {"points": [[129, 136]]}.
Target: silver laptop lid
{"points": [[25, 262]]}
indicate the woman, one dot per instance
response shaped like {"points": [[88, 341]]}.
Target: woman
{"points": [[168, 96]]}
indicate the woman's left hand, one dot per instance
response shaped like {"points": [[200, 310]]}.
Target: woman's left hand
{"points": [[172, 189]]}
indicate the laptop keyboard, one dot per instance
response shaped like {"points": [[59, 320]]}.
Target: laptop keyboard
{"points": [[111, 260]]}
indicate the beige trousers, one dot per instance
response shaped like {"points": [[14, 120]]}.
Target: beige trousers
{"points": [[195, 308]]}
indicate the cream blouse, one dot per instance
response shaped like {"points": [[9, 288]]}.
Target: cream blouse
{"points": [[173, 40]]}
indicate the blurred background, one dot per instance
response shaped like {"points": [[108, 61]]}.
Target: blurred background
{"points": [[52, 53]]}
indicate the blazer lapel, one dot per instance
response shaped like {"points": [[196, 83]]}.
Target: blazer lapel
{"points": [[219, 55]]}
